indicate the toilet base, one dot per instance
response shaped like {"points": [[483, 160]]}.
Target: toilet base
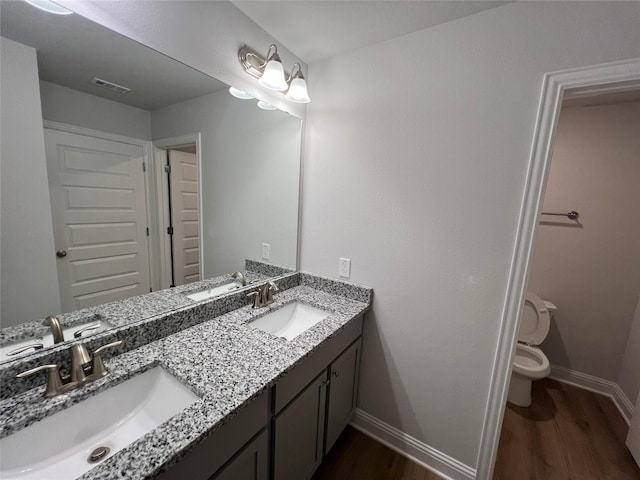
{"points": [[519, 390]]}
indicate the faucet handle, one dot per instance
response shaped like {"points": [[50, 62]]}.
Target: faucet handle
{"points": [[99, 370], [54, 382], [35, 346], [270, 287], [257, 301], [88, 328]]}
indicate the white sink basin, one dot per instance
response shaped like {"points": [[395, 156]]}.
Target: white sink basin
{"points": [[58, 446], [290, 321], [47, 340], [215, 291]]}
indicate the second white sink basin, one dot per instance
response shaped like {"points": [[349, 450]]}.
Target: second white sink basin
{"points": [[215, 291], [290, 321], [58, 446]]}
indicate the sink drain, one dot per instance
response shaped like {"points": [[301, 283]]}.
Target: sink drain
{"points": [[98, 454]]}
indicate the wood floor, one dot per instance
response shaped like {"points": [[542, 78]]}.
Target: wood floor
{"points": [[567, 434], [358, 457]]}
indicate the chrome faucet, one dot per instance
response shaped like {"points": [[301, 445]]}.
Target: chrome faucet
{"points": [[264, 295], [80, 359], [240, 277], [56, 331]]}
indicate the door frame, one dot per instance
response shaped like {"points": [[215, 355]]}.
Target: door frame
{"points": [[604, 78], [149, 196], [160, 148]]}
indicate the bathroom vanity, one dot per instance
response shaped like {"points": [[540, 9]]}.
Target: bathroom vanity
{"points": [[267, 407]]}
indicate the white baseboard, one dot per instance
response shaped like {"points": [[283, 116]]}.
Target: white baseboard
{"points": [[597, 385], [407, 446]]}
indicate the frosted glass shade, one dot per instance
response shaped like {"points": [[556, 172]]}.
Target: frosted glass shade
{"points": [[239, 93], [298, 91], [273, 76], [49, 6], [265, 106]]}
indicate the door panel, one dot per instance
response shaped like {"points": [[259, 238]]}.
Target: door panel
{"points": [[343, 389], [299, 430], [184, 217], [99, 216]]}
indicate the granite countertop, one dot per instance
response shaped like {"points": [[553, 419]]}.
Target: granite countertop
{"points": [[223, 360], [129, 310]]}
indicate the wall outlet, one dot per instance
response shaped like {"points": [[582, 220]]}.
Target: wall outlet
{"points": [[344, 267], [266, 251]]}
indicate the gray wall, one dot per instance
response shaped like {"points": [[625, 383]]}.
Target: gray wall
{"points": [[591, 271], [250, 177], [64, 105], [28, 274], [418, 176]]}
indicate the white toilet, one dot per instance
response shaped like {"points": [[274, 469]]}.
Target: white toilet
{"points": [[530, 363]]}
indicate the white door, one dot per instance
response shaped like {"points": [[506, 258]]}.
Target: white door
{"points": [[633, 437], [184, 217], [99, 218]]}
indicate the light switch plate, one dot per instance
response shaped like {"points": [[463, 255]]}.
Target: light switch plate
{"points": [[266, 251], [344, 267]]}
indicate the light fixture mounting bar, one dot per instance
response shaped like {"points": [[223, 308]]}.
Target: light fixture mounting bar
{"points": [[254, 63]]}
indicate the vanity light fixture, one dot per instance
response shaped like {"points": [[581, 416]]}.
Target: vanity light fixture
{"points": [[270, 73], [49, 6], [239, 93]]}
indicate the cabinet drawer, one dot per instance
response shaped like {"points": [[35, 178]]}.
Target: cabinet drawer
{"points": [[301, 375], [213, 452]]}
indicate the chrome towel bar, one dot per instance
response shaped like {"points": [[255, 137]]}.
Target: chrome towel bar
{"points": [[572, 215]]}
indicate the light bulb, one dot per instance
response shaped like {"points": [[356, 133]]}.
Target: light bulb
{"points": [[273, 76], [298, 91]]}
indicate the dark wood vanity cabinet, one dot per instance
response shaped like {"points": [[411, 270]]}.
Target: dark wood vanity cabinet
{"points": [[284, 433], [308, 427]]}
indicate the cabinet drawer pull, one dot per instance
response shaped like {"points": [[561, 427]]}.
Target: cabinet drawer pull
{"points": [[336, 373]]}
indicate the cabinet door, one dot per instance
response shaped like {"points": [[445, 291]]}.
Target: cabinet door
{"points": [[343, 391], [299, 431], [250, 464]]}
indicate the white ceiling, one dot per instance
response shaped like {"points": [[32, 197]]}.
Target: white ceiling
{"points": [[314, 29], [72, 50]]}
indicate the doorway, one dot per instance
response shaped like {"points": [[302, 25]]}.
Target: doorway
{"points": [[179, 210], [624, 75], [587, 263]]}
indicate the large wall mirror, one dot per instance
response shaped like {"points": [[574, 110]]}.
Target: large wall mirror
{"points": [[124, 171]]}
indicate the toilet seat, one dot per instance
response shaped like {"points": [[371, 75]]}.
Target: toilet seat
{"points": [[535, 322], [531, 362]]}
